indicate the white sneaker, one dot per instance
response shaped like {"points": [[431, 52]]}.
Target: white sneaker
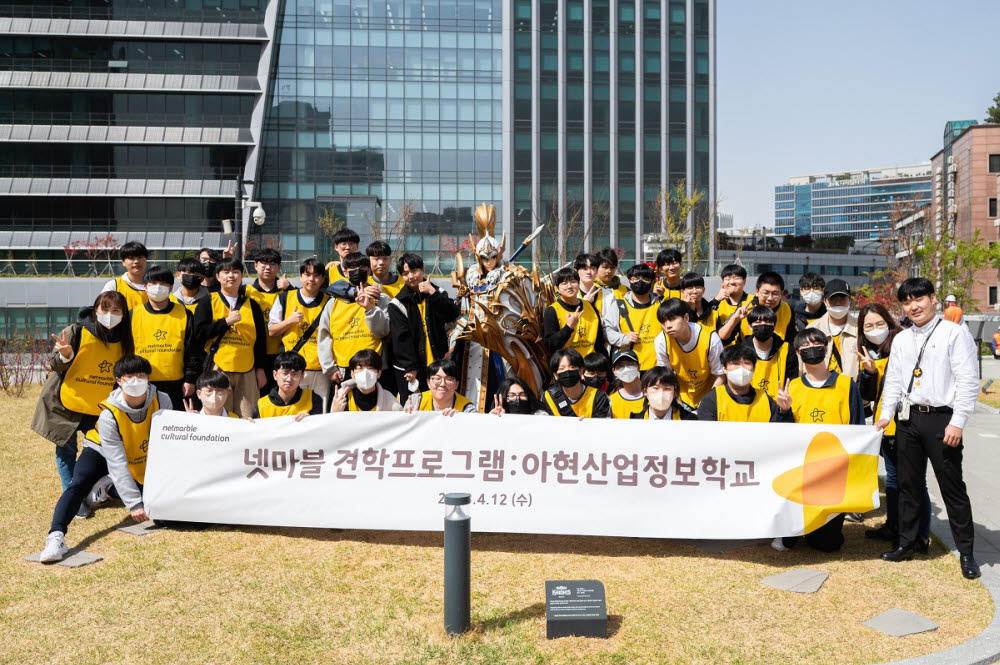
{"points": [[101, 491], [778, 546], [55, 547]]}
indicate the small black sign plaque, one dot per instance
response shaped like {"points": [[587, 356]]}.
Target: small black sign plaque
{"points": [[575, 607]]}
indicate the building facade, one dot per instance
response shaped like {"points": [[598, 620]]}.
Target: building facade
{"points": [[859, 204]]}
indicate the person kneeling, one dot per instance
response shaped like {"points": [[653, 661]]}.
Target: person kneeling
{"points": [[736, 401], [115, 447], [362, 391], [442, 377], [287, 399]]}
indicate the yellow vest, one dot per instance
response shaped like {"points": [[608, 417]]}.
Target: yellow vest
{"points": [[669, 291], [834, 365], [619, 290], [582, 407], [675, 413], [265, 300], [584, 337], [427, 402], [624, 408], [880, 365], [350, 333], [89, 378], [159, 338], [829, 406], [725, 309], [769, 375], [135, 436], [235, 352], [428, 349], [352, 405], [693, 369], [334, 273], [784, 315], [729, 410], [643, 321], [268, 409], [711, 320], [133, 296], [293, 334], [193, 306], [391, 289]]}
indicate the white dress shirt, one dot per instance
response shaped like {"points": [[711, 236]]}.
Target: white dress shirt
{"points": [[949, 371], [714, 348]]}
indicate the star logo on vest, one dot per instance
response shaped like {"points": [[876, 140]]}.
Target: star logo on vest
{"points": [[144, 446], [817, 415], [764, 384], [581, 331], [160, 335], [303, 326], [105, 367], [693, 375], [644, 329]]}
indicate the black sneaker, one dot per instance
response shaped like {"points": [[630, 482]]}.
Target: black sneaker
{"points": [[854, 517], [884, 532]]}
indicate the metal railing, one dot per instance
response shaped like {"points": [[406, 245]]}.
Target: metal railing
{"points": [[127, 119], [134, 66], [218, 15], [139, 172]]}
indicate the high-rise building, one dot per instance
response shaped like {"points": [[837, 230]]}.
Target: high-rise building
{"points": [[859, 204]]}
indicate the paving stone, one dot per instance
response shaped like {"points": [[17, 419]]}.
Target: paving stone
{"points": [[799, 580], [141, 529], [73, 559], [899, 623]]}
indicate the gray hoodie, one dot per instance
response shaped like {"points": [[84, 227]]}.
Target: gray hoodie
{"points": [[112, 448]]}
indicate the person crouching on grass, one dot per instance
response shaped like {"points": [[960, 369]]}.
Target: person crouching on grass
{"points": [[287, 398], [213, 388], [116, 447]]}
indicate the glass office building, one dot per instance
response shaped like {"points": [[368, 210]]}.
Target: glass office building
{"points": [[851, 203]]}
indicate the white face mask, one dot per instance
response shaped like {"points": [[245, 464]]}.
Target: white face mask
{"points": [[213, 400], [627, 374], [109, 321], [135, 387], [812, 297], [877, 336], [661, 400], [740, 376], [158, 292], [838, 312], [366, 379]]}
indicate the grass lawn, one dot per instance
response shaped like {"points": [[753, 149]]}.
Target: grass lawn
{"points": [[274, 595], [991, 398]]}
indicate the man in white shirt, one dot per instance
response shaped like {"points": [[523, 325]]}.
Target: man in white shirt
{"points": [[932, 367]]}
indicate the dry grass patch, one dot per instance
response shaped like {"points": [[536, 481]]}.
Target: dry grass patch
{"points": [[991, 398], [274, 595]]}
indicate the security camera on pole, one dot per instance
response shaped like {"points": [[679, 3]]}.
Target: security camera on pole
{"points": [[235, 225]]}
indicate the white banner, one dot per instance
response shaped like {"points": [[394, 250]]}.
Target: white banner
{"points": [[526, 474]]}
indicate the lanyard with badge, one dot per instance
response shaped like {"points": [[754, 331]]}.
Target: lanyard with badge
{"points": [[903, 413]]}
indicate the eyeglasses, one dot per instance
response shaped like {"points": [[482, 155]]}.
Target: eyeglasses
{"points": [[769, 294], [878, 326], [441, 380]]}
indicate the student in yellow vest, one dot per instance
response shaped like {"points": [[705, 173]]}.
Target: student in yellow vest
{"points": [[607, 272], [131, 285], [668, 265], [355, 317], [442, 377], [690, 349], [516, 397], [295, 320], [345, 241], [879, 329], [841, 327], [693, 293], [637, 316], [287, 398], [418, 317], [571, 322], [232, 330], [164, 335], [811, 288], [361, 391], [770, 293], [730, 298], [190, 289], [820, 396], [380, 261], [603, 300], [115, 447], [569, 396], [213, 390], [660, 389], [737, 400], [81, 362], [270, 284], [628, 398], [776, 361]]}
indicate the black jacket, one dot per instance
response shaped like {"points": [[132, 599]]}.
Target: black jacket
{"points": [[408, 342]]}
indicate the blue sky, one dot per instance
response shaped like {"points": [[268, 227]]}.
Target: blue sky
{"points": [[807, 86]]}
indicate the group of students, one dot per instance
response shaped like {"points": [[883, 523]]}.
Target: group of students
{"points": [[356, 336]]}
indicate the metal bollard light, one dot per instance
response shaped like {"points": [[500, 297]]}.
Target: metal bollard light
{"points": [[457, 564]]}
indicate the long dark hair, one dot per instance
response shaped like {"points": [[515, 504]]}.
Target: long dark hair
{"points": [[894, 329], [504, 388], [108, 300]]}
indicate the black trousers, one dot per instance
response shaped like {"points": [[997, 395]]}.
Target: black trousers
{"points": [[918, 440], [90, 467], [174, 390]]}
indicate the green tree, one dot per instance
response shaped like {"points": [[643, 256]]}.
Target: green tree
{"points": [[993, 112], [952, 263]]}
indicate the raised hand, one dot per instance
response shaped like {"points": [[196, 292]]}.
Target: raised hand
{"points": [[233, 317], [364, 300], [632, 337], [63, 347], [189, 406], [426, 287], [339, 400], [867, 363], [740, 313], [783, 399], [295, 317], [573, 318], [283, 283], [659, 289], [591, 295], [230, 250]]}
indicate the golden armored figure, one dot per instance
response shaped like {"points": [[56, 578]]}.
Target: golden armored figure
{"points": [[503, 316]]}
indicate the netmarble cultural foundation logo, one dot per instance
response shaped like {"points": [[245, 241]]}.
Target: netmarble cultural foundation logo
{"points": [[830, 481]]}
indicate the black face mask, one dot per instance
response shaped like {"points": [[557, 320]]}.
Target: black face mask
{"points": [[569, 378], [209, 267], [593, 381], [763, 333], [191, 281], [813, 355], [517, 406], [640, 287], [357, 277]]}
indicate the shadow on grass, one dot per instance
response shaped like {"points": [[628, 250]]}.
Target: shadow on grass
{"points": [[522, 615]]}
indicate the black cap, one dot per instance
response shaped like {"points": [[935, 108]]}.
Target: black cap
{"points": [[836, 287], [628, 354], [457, 499]]}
